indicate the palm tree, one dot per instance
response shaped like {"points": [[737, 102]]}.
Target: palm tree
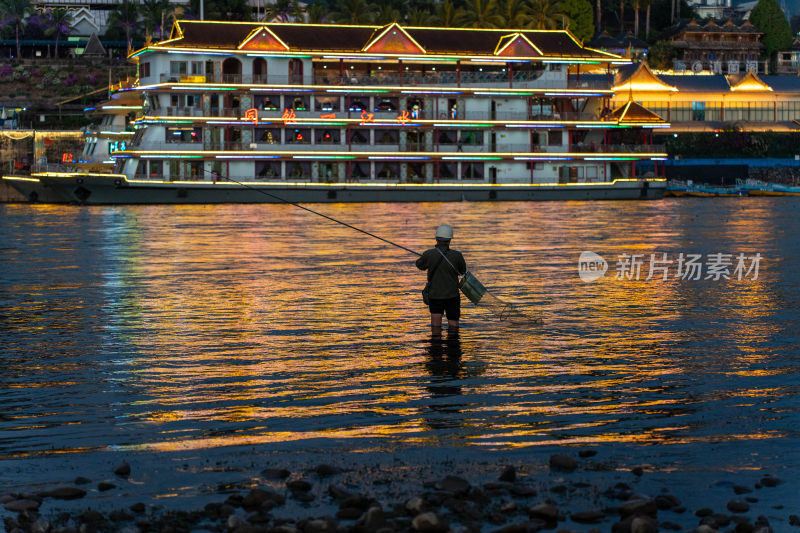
{"points": [[316, 13], [284, 11], [636, 4], [515, 13], [14, 12], [125, 17], [648, 4], [599, 15], [545, 15], [60, 20], [446, 14], [480, 14], [153, 13], [352, 12], [387, 14], [419, 17], [621, 16]]}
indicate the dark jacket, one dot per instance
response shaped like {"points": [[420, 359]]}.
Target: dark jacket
{"points": [[444, 283]]}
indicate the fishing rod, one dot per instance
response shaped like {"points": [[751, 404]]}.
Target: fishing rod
{"points": [[469, 284], [275, 196]]}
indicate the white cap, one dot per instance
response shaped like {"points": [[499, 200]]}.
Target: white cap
{"points": [[444, 232]]}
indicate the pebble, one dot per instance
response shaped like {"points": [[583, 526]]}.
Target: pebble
{"points": [[637, 471], [80, 480], [563, 463], [588, 517], [545, 511], [325, 470], [638, 507], [794, 520], [738, 506], [138, 507], [454, 484], [587, 453], [256, 498], [64, 493], [644, 524], [415, 505], [741, 489], [339, 493], [770, 481], [22, 505], [41, 525], [123, 470], [374, 518], [509, 474], [275, 473], [105, 485], [299, 485], [429, 523]]}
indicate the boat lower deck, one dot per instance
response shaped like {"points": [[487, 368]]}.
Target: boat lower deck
{"points": [[116, 189]]}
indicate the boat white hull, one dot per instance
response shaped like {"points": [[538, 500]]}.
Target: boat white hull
{"points": [[103, 190]]}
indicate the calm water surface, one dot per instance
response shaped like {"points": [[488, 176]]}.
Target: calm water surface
{"points": [[198, 329]]}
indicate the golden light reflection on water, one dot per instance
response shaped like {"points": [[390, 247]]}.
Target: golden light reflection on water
{"points": [[213, 326]]}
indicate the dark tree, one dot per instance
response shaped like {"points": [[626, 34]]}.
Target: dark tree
{"points": [[769, 18]]}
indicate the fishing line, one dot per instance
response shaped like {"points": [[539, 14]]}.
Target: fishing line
{"points": [[469, 284]]}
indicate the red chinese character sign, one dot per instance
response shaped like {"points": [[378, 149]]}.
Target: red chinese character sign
{"points": [[251, 115]]}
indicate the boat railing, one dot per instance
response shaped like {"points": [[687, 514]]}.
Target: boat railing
{"points": [[379, 114], [520, 79], [398, 146]]}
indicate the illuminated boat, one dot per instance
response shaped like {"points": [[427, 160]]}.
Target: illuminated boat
{"points": [[760, 188], [265, 112], [702, 190]]}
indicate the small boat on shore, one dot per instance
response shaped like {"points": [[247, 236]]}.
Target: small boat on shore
{"points": [[678, 188], [763, 188]]}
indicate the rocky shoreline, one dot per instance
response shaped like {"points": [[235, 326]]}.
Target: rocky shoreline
{"points": [[328, 498]]}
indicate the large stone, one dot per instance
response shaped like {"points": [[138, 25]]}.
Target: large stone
{"points": [[429, 523], [563, 463], [325, 470], [338, 492]]}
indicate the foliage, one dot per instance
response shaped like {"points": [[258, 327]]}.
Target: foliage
{"points": [[480, 14], [580, 16], [284, 11], [221, 10], [124, 20], [661, 55], [13, 13], [154, 15], [734, 144], [769, 18], [545, 15]]}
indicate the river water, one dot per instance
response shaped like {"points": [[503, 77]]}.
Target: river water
{"points": [[190, 335]]}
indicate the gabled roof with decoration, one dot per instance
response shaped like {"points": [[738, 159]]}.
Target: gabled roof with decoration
{"points": [[749, 81], [632, 113], [390, 41], [640, 79]]}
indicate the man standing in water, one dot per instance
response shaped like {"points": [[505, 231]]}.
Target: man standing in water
{"points": [[444, 297]]}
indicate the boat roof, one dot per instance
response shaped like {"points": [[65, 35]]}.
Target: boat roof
{"points": [[390, 39]]}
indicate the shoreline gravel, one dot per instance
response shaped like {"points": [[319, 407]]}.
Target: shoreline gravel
{"points": [[572, 491]]}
